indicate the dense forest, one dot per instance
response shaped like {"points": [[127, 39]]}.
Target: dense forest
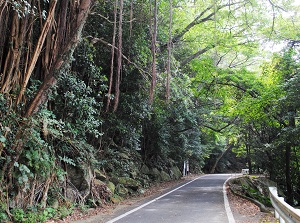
{"points": [[100, 99]]}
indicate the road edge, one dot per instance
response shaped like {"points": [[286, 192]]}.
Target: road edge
{"points": [[146, 204], [226, 203]]}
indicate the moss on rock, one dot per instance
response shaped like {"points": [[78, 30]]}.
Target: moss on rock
{"points": [[99, 175], [164, 176], [175, 173], [121, 190], [111, 186]]}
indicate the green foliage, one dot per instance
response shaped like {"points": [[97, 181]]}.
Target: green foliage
{"points": [[3, 214], [79, 108], [22, 7], [9, 120], [217, 98], [38, 216]]}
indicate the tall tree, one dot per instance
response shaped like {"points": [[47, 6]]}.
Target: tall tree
{"points": [[169, 73], [24, 61], [120, 45], [153, 30], [112, 57], [63, 53]]}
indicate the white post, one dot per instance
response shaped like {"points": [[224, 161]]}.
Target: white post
{"points": [[187, 167], [184, 168]]}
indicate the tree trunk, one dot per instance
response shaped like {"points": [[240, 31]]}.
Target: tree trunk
{"points": [[38, 49], [195, 55], [169, 55], [153, 26], [288, 151], [227, 148], [119, 68], [289, 188], [112, 57], [63, 59], [248, 149]]}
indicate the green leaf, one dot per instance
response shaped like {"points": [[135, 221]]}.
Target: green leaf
{"points": [[2, 139]]}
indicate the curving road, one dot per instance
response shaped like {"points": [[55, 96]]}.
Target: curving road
{"points": [[200, 200]]}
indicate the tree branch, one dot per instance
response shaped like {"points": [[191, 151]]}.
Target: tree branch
{"points": [[197, 54], [109, 21], [222, 128], [101, 40], [251, 93], [184, 130], [198, 20]]}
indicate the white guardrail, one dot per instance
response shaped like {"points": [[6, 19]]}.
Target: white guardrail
{"points": [[283, 211]]}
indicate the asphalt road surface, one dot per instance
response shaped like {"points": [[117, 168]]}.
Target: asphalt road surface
{"points": [[199, 201]]}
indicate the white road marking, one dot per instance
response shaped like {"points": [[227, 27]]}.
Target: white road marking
{"points": [[144, 205], [226, 203]]}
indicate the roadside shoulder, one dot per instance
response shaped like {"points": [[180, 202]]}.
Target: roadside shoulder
{"points": [[245, 211]]}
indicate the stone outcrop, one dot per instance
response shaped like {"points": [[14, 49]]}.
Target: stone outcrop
{"points": [[100, 186], [111, 186], [164, 176], [80, 179], [254, 189], [175, 173], [100, 175]]}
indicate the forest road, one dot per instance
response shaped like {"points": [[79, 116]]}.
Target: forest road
{"points": [[201, 200]]}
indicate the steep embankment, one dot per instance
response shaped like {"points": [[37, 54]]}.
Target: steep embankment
{"points": [[249, 199], [254, 189]]}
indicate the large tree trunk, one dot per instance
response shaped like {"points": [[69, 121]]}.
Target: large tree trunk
{"points": [[38, 49], [63, 58], [54, 44], [288, 179], [227, 148], [248, 149], [288, 151]]}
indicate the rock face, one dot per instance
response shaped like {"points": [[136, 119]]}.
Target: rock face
{"points": [[144, 169], [125, 175], [81, 179], [155, 174], [175, 173], [164, 176], [121, 190], [111, 186], [129, 183], [124, 185], [99, 175]]}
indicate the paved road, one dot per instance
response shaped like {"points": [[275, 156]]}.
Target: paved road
{"points": [[199, 201]]}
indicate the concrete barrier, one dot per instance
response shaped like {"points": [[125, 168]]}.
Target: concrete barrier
{"points": [[283, 211], [245, 171]]}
